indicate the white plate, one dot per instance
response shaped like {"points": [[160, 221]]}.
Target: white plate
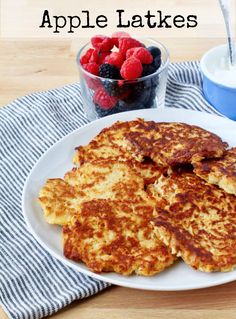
{"points": [[57, 160]]}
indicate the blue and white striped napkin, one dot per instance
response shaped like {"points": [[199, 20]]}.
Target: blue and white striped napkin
{"points": [[33, 284]]}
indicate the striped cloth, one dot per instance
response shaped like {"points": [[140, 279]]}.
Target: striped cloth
{"points": [[33, 284]]}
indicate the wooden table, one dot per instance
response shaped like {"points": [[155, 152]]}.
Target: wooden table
{"points": [[36, 65]]}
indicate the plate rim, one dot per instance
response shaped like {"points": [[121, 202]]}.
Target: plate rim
{"points": [[102, 277]]}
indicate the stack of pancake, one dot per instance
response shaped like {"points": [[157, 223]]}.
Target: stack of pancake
{"points": [[142, 194]]}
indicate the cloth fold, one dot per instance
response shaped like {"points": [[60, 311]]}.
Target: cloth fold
{"points": [[33, 284]]}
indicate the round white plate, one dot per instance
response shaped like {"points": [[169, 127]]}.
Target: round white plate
{"points": [[57, 160]]}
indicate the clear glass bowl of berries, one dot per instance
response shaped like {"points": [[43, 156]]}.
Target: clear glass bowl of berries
{"points": [[120, 73]]}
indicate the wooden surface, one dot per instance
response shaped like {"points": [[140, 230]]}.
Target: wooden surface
{"points": [[35, 65]]}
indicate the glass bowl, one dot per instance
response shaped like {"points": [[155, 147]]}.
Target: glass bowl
{"points": [[143, 93]]}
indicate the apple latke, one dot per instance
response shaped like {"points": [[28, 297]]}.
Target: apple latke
{"points": [[109, 143], [197, 221], [173, 144], [221, 172], [111, 235], [104, 179]]}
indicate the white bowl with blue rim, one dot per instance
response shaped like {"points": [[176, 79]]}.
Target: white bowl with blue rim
{"points": [[219, 81]]}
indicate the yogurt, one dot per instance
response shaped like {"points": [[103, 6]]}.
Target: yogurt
{"points": [[224, 73], [216, 66]]}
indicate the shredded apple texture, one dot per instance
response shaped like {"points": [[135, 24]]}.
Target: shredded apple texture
{"points": [[133, 203]]}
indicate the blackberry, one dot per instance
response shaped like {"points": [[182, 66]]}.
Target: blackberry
{"points": [[140, 92], [112, 88], [148, 69], [155, 52], [155, 80], [103, 112], [124, 106], [151, 99], [157, 62], [140, 87], [109, 71]]}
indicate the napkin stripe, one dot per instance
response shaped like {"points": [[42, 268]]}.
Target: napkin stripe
{"points": [[33, 284], [28, 293]]}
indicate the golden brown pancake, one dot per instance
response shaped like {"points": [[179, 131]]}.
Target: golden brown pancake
{"points": [[106, 179], [59, 201], [109, 143], [117, 236], [172, 144], [197, 221], [148, 170], [105, 210], [221, 172]]}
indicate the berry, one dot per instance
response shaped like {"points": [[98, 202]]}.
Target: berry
{"points": [[92, 67], [130, 52], [141, 53], [109, 71], [114, 89], [115, 58], [86, 57], [102, 57], [155, 80], [127, 43], [131, 69], [157, 62], [155, 52], [102, 43], [140, 92], [117, 35], [148, 69], [94, 56], [103, 99], [122, 106], [151, 99], [93, 83], [103, 112], [128, 105], [141, 88]]}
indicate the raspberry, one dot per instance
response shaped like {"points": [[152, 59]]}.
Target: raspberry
{"points": [[130, 52], [127, 43], [102, 43], [131, 69], [93, 83], [109, 71], [92, 67], [117, 35], [102, 57], [142, 54], [85, 58], [94, 56], [115, 58], [97, 56], [102, 98]]}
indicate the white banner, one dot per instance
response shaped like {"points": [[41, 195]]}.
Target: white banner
{"points": [[73, 19]]}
